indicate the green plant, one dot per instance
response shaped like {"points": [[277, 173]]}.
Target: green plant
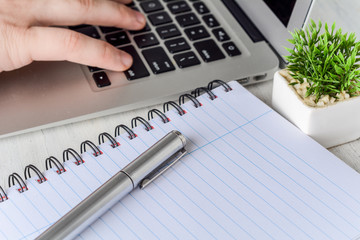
{"points": [[328, 61]]}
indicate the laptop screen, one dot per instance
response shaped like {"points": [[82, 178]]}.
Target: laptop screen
{"points": [[276, 18], [282, 9]]}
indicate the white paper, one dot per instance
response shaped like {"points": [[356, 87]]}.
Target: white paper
{"points": [[249, 174]]}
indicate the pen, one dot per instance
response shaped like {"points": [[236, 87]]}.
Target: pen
{"points": [[140, 172]]}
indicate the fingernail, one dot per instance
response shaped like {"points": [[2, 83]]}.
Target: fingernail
{"points": [[126, 60], [140, 18]]}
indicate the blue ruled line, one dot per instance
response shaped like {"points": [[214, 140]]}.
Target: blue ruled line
{"points": [[191, 155], [134, 215], [45, 198], [201, 148], [350, 224], [127, 226], [96, 233], [48, 182], [292, 153], [14, 225], [38, 230], [109, 227], [288, 163], [195, 202], [149, 195]]}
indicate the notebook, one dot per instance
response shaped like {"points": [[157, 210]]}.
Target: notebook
{"points": [[248, 174]]}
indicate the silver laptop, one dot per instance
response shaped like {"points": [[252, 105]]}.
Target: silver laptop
{"points": [[185, 45]]}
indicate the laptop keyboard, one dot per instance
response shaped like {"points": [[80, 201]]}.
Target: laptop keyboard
{"points": [[201, 35]]}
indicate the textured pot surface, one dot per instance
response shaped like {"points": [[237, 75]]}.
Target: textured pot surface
{"points": [[330, 126]]}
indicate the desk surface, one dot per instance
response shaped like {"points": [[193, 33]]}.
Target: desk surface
{"points": [[34, 148]]}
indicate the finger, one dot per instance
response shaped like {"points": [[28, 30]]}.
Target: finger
{"points": [[96, 12], [45, 43], [11, 48]]}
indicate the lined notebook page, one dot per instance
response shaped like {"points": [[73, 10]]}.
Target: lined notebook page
{"points": [[249, 174]]}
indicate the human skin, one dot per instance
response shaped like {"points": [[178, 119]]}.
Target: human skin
{"points": [[28, 32]]}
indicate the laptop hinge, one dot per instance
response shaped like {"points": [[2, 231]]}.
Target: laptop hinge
{"points": [[244, 21]]}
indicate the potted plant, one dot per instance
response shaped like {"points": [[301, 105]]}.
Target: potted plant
{"points": [[319, 89]]}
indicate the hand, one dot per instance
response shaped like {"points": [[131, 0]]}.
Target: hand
{"points": [[25, 35]]}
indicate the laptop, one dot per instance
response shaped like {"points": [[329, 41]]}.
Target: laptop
{"points": [[186, 44]]}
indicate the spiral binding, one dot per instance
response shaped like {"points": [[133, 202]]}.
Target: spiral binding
{"points": [[113, 141], [96, 150], [191, 97], [219, 82], [197, 92], [16, 177], [175, 105], [3, 195], [52, 161], [131, 133], [74, 154], [163, 117], [147, 125], [36, 170]]}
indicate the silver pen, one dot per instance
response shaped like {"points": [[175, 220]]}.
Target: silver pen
{"points": [[140, 172]]}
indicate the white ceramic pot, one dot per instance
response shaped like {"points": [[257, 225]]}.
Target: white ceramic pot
{"points": [[330, 126]]}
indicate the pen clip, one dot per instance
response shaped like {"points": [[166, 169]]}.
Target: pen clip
{"points": [[162, 168]]}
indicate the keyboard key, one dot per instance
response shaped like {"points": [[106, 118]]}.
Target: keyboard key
{"points": [[187, 19], [158, 60], [88, 30], [138, 69], [168, 31], [210, 21], [178, 7], [231, 49], [177, 45], [185, 60], [101, 79], [151, 6], [159, 18], [146, 40], [220, 34], [94, 69], [117, 39], [145, 29], [208, 50], [109, 29], [196, 33], [201, 8]]}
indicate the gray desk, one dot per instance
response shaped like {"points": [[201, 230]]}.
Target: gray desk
{"points": [[33, 148]]}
